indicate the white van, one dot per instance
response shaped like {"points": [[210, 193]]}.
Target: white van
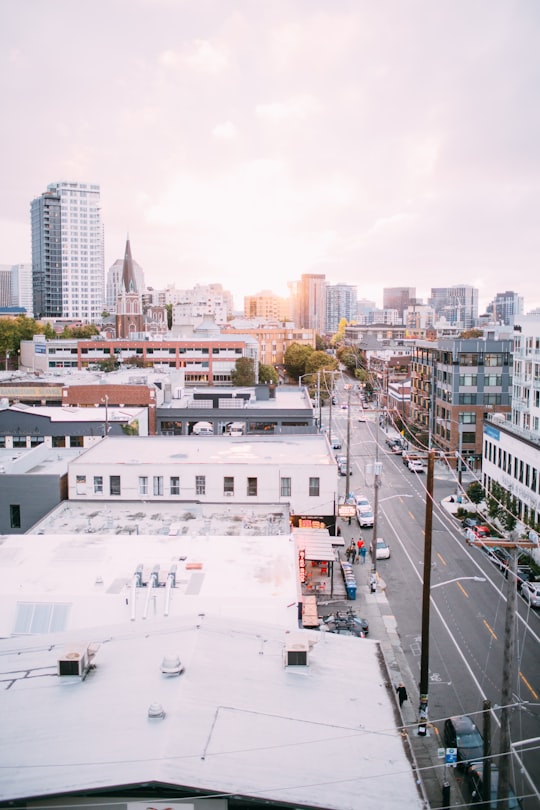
{"points": [[203, 429], [235, 429]]}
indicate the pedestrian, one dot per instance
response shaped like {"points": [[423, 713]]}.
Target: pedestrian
{"points": [[360, 543], [362, 553], [402, 694], [353, 552], [338, 531]]}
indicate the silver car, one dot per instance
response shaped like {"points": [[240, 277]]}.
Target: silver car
{"points": [[530, 591]]}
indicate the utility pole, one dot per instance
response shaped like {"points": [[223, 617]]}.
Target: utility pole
{"points": [[509, 659], [319, 397], [486, 773], [426, 597], [509, 669], [348, 470]]}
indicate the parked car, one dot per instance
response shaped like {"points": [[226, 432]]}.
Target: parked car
{"points": [[382, 551], [530, 591], [470, 522], [474, 776], [335, 442], [416, 466], [481, 531], [362, 502], [365, 517], [461, 732], [342, 465]]}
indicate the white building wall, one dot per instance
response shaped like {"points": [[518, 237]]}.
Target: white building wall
{"points": [[268, 477]]}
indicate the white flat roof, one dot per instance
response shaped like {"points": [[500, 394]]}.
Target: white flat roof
{"points": [[73, 413], [237, 721], [290, 449]]}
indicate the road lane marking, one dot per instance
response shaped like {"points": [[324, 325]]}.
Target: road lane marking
{"points": [[527, 684], [412, 517], [441, 558], [462, 589], [490, 629]]}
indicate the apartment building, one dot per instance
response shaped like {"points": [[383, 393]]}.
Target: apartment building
{"points": [[511, 451], [68, 252], [455, 385]]}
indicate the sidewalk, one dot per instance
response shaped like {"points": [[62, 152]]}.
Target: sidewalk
{"points": [[383, 628]]}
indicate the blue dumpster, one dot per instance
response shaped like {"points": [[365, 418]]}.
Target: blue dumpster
{"points": [[350, 587]]}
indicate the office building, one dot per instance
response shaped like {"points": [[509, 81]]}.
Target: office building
{"points": [[340, 304], [457, 305], [67, 252], [505, 306], [266, 306], [399, 298], [308, 298]]}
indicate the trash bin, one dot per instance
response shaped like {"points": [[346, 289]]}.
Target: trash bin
{"points": [[350, 587]]}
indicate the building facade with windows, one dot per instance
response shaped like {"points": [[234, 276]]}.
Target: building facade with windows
{"points": [[505, 307], [205, 361], [308, 301], [456, 305], [267, 306], [455, 385], [399, 298], [300, 471], [340, 304], [68, 252], [511, 452]]}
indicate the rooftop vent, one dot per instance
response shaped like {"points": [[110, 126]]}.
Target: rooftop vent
{"points": [[156, 712], [171, 665]]}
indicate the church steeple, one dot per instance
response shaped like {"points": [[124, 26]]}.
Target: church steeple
{"points": [[128, 282]]}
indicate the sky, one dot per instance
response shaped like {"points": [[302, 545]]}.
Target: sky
{"points": [[245, 142]]}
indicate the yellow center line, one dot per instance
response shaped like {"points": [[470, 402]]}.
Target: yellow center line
{"points": [[490, 630], [441, 558], [462, 589], [527, 684], [412, 516]]}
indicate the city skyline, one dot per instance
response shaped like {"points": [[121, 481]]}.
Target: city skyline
{"points": [[382, 145]]}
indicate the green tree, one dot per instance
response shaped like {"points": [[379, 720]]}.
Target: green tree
{"points": [[87, 331], [13, 330], [336, 339], [169, 309], [110, 364], [268, 374], [244, 372], [296, 358], [475, 492]]}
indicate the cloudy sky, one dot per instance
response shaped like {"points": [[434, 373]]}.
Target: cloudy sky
{"points": [[380, 142]]}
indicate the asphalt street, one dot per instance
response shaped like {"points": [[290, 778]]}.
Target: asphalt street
{"points": [[466, 617]]}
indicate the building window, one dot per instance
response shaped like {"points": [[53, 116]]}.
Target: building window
{"points": [[252, 486], [76, 441], [143, 485], [15, 515], [200, 485], [19, 441], [314, 487], [114, 485], [228, 485], [98, 485], [34, 441], [468, 438], [58, 441], [158, 485], [467, 418], [175, 485], [286, 489]]}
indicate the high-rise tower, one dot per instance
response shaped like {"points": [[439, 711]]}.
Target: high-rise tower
{"points": [[67, 252]]}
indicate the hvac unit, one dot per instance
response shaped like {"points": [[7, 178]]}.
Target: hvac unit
{"points": [[73, 662], [296, 652], [77, 660]]}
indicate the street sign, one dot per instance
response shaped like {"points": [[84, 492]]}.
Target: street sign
{"points": [[451, 757], [346, 510]]}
